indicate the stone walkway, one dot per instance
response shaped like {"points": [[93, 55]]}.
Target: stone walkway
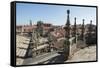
{"points": [[85, 54]]}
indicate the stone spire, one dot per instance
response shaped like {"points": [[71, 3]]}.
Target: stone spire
{"points": [[82, 31], [30, 22], [74, 29], [75, 22], [67, 36], [90, 27], [90, 21], [68, 19], [67, 26]]}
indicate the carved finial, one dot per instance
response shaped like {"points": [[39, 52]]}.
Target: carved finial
{"points": [[68, 11], [90, 21], [83, 20], [75, 19]]}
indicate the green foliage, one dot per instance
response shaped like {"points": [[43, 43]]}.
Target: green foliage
{"points": [[39, 23], [40, 27]]}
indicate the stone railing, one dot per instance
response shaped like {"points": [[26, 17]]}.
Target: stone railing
{"points": [[72, 46]]}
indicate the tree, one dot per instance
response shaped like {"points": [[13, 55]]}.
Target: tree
{"points": [[50, 39], [40, 27]]}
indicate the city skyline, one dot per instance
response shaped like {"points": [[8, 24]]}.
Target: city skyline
{"points": [[54, 14]]}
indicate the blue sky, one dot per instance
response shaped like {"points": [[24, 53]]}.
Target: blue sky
{"points": [[54, 14]]}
